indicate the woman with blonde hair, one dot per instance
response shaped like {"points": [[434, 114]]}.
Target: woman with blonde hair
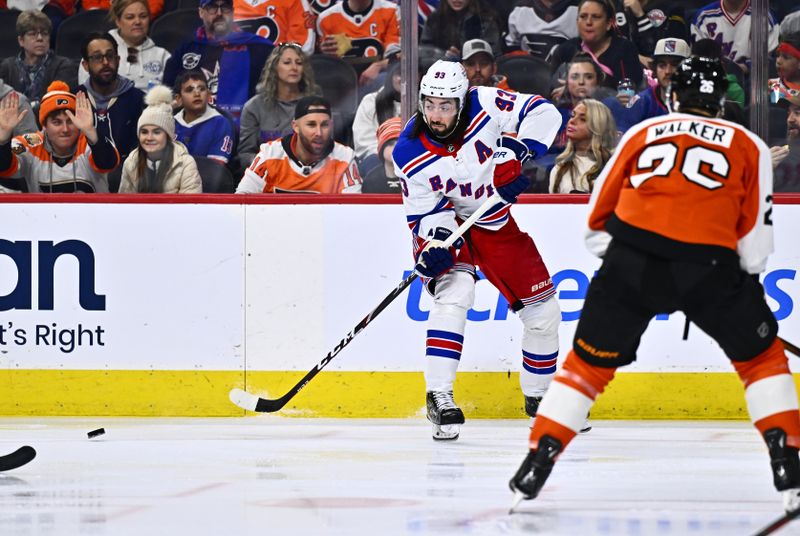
{"points": [[286, 78], [159, 165], [140, 60], [591, 139]]}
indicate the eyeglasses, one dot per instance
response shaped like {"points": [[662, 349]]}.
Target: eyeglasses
{"points": [[133, 55], [33, 34], [222, 8], [110, 57]]}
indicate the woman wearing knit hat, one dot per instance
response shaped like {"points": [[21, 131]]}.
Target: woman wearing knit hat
{"points": [[160, 164], [68, 155]]}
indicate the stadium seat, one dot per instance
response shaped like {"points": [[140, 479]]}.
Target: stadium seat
{"points": [[338, 81], [217, 178], [75, 28], [777, 125], [188, 4], [525, 74], [541, 45], [9, 46], [114, 178], [172, 29]]}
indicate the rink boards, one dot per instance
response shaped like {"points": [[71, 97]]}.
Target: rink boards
{"points": [[140, 305]]}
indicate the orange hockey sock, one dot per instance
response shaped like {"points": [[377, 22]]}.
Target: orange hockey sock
{"points": [[563, 410], [770, 392]]}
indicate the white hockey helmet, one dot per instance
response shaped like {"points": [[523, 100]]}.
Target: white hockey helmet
{"points": [[445, 80]]}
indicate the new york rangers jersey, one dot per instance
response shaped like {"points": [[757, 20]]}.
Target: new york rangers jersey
{"points": [[210, 135], [440, 182], [732, 32]]}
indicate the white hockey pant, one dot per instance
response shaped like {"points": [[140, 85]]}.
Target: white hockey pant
{"points": [[540, 323], [453, 297]]}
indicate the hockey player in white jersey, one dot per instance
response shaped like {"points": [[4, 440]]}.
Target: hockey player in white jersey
{"points": [[452, 155]]}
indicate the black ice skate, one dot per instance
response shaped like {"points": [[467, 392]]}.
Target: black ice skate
{"points": [[535, 469], [532, 406], [785, 468], [446, 417]]}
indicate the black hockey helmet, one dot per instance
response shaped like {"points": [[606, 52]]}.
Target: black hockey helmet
{"points": [[699, 83]]}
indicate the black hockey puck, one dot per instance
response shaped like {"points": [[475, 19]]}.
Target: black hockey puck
{"points": [[95, 433]]}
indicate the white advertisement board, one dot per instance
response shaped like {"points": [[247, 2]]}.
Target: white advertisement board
{"points": [[121, 286], [274, 287], [309, 284]]}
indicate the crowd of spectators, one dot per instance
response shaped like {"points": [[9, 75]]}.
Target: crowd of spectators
{"points": [[246, 91]]}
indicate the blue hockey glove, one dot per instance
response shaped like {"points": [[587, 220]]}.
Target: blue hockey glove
{"points": [[436, 259], [508, 159]]}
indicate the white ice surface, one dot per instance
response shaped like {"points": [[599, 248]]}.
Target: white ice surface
{"points": [[275, 476]]}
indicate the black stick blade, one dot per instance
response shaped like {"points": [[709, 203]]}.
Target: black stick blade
{"points": [[251, 402], [18, 458], [778, 523]]}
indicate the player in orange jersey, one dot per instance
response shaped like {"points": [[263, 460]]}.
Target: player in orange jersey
{"points": [[682, 217]]}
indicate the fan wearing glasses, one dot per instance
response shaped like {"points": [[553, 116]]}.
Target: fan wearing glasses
{"points": [[141, 61], [116, 102], [36, 65], [230, 58]]}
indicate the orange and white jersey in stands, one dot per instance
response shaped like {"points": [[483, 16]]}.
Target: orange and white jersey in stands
{"points": [[33, 163], [276, 169], [374, 33], [280, 21], [683, 183]]}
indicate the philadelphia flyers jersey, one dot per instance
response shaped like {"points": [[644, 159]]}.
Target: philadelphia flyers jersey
{"points": [[280, 21], [32, 163], [681, 186], [275, 169], [374, 33]]}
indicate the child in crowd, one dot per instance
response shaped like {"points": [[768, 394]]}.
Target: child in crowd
{"points": [[787, 64], [158, 164], [199, 126]]}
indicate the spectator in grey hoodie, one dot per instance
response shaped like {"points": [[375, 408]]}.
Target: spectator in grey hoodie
{"points": [[116, 102]]}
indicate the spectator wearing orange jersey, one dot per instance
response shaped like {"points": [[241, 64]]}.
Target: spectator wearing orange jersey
{"points": [[156, 6], [280, 21], [364, 32], [306, 161]]}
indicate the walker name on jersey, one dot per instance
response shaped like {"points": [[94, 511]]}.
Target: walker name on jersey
{"points": [[571, 286], [21, 255]]}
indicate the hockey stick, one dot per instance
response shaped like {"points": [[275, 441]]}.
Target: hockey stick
{"points": [[251, 402], [18, 458], [778, 523], [789, 346]]}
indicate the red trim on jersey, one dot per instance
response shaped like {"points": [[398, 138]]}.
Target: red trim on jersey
{"points": [[738, 17]]}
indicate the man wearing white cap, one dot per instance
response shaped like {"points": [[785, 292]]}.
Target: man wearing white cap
{"points": [[478, 60], [651, 102]]}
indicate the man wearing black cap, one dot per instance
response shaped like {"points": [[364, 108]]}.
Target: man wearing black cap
{"points": [[307, 161]]}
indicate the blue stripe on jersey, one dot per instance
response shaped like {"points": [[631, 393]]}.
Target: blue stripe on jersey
{"points": [[538, 149], [532, 103], [477, 129], [444, 205], [422, 165]]}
